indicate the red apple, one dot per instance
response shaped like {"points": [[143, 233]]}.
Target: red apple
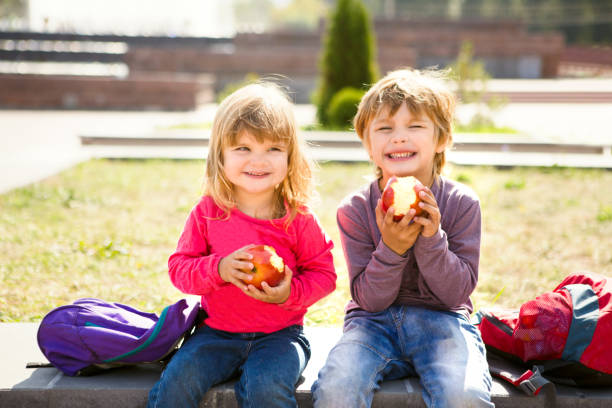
{"points": [[267, 266], [402, 193]]}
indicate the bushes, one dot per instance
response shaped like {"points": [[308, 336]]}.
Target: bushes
{"points": [[232, 87], [348, 58], [343, 107]]}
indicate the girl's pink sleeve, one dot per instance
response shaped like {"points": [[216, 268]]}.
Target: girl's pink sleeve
{"points": [[315, 276], [191, 268]]}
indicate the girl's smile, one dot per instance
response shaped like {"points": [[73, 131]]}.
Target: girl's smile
{"points": [[257, 174], [255, 169]]}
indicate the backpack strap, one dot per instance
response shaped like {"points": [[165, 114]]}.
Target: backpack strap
{"points": [[530, 381], [38, 364], [585, 315]]}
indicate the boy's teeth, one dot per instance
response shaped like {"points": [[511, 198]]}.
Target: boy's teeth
{"points": [[400, 155]]}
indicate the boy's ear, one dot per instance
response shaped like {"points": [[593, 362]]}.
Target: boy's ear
{"points": [[442, 144], [366, 144]]}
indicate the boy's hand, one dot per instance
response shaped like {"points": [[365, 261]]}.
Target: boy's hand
{"points": [[430, 222], [232, 267], [276, 294], [400, 235]]}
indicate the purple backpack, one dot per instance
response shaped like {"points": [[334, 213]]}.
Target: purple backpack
{"points": [[91, 335]]}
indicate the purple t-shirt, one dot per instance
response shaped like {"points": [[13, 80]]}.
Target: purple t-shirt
{"points": [[439, 272]]}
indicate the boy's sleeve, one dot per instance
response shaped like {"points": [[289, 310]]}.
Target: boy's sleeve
{"points": [[375, 270], [315, 276], [191, 268], [448, 260]]}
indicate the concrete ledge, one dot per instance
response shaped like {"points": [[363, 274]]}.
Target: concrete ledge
{"points": [[129, 387], [468, 149]]}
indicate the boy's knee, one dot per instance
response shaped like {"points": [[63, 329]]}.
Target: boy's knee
{"points": [[333, 395], [339, 391], [477, 397], [348, 378], [471, 397]]}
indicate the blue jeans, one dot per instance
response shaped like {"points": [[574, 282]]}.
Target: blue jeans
{"points": [[442, 348], [269, 367]]}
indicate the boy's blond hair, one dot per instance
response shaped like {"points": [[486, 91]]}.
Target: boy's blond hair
{"points": [[423, 92], [264, 110]]}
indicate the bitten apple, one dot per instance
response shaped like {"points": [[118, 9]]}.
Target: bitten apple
{"points": [[267, 266], [402, 193]]}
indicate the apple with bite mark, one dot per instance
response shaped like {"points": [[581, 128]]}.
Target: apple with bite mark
{"points": [[267, 266], [402, 193]]}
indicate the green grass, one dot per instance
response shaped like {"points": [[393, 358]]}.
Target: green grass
{"points": [[470, 128], [105, 229], [188, 126]]}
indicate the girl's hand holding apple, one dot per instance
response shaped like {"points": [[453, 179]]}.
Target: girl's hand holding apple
{"points": [[269, 294], [259, 272], [232, 267]]}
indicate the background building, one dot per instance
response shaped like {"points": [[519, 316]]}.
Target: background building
{"points": [[154, 54]]}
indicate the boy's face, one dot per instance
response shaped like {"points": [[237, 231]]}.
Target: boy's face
{"points": [[403, 144]]}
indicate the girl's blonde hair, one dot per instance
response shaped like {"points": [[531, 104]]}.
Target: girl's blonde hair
{"points": [[423, 92], [264, 110]]}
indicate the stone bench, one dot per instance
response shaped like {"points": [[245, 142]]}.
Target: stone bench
{"points": [[129, 387]]}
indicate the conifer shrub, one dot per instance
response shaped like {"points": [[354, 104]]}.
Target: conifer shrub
{"points": [[348, 57], [343, 107]]}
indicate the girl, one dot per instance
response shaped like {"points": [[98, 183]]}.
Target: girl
{"points": [[257, 183]]}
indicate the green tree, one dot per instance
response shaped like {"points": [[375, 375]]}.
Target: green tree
{"points": [[12, 8], [581, 21], [422, 8], [232, 87], [471, 77], [299, 14], [348, 58], [252, 15], [343, 108]]}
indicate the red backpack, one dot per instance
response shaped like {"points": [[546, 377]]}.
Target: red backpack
{"points": [[561, 336]]}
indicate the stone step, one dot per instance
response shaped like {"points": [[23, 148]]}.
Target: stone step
{"points": [[129, 387]]}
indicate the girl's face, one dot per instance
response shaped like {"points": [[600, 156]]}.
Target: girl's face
{"points": [[403, 144], [254, 168]]}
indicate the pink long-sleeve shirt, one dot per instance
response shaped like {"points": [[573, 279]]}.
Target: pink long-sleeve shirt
{"points": [[438, 272], [209, 236]]}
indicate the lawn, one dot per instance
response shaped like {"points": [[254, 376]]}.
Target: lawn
{"points": [[106, 228]]}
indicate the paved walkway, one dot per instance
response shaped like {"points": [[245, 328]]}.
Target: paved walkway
{"points": [[37, 144]]}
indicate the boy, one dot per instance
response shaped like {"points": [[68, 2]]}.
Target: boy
{"points": [[411, 279]]}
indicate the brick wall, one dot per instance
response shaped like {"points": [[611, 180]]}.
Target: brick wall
{"points": [[164, 74], [400, 43], [581, 61], [154, 92]]}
